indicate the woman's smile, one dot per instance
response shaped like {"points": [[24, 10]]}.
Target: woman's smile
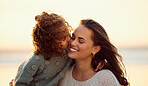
{"points": [[73, 50]]}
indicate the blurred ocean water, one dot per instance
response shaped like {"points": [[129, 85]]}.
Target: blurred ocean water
{"points": [[134, 55], [13, 57], [130, 56]]}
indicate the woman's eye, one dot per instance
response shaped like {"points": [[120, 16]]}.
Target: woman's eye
{"points": [[80, 41]]}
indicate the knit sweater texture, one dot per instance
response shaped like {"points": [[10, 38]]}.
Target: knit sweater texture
{"points": [[102, 78], [36, 71]]}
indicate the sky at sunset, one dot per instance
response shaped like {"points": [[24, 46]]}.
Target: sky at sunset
{"points": [[126, 21]]}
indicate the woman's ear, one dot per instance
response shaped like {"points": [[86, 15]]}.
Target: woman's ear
{"points": [[96, 49]]}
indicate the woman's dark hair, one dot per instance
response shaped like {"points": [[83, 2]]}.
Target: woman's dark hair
{"points": [[47, 34], [108, 54]]}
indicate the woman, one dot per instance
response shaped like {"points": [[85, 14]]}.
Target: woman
{"points": [[90, 45]]}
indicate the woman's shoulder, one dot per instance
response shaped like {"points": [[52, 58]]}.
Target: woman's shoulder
{"points": [[69, 70], [107, 77], [106, 74]]}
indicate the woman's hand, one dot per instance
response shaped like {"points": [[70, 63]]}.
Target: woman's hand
{"points": [[11, 83]]}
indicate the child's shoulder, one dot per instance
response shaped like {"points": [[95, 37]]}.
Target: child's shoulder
{"points": [[35, 57]]}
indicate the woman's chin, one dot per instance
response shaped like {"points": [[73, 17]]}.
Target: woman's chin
{"points": [[71, 55]]}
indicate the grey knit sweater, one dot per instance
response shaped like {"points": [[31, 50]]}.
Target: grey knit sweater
{"points": [[36, 71]]}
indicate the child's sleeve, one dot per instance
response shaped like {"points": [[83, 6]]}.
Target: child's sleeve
{"points": [[27, 70], [60, 75]]}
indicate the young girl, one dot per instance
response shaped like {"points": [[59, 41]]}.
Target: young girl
{"points": [[49, 61]]}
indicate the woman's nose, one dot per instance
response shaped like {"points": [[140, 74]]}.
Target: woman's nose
{"points": [[73, 42]]}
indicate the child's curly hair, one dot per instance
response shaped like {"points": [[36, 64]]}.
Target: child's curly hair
{"points": [[47, 34]]}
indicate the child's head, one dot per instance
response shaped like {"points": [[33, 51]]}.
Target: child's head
{"points": [[50, 35]]}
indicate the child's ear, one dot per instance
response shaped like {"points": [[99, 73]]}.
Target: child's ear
{"points": [[96, 49]]}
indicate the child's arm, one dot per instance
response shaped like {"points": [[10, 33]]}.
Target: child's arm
{"points": [[27, 70]]}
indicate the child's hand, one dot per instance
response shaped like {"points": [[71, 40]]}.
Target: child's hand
{"points": [[100, 66], [11, 83]]}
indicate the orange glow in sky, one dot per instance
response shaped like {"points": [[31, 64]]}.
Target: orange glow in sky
{"points": [[124, 20]]}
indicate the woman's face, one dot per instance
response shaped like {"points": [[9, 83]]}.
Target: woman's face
{"points": [[81, 44]]}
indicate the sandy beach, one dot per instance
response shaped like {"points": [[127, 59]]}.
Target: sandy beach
{"points": [[137, 74], [136, 63]]}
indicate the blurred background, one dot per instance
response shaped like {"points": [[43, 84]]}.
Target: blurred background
{"points": [[126, 22]]}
